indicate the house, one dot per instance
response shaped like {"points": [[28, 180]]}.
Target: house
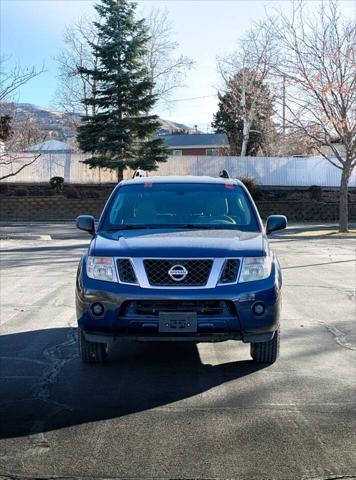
{"points": [[212, 144]]}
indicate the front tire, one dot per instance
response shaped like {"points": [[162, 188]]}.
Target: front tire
{"points": [[91, 352], [266, 352]]}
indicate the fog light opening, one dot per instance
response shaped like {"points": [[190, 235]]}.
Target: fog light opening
{"points": [[258, 308], [97, 309]]}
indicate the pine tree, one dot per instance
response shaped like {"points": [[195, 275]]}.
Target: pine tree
{"points": [[121, 132], [229, 118]]}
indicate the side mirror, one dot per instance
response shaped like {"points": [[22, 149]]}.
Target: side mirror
{"points": [[276, 222], [86, 223]]}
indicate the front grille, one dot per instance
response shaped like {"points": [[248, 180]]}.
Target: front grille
{"points": [[126, 271], [203, 308], [230, 271], [197, 276]]}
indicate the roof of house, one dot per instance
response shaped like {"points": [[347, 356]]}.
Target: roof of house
{"points": [[196, 140], [51, 146]]}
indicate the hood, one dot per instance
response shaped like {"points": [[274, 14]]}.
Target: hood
{"points": [[180, 243]]}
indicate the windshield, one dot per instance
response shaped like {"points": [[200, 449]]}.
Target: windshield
{"points": [[190, 205]]}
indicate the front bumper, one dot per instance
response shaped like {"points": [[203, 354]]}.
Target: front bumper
{"points": [[236, 322]]}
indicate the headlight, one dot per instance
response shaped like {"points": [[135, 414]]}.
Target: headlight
{"points": [[101, 268], [255, 268]]}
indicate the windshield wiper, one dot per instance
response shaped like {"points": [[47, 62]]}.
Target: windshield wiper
{"points": [[212, 226], [168, 226], [128, 227], [192, 225]]}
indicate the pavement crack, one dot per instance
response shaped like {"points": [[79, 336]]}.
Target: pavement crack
{"points": [[340, 337], [56, 357]]}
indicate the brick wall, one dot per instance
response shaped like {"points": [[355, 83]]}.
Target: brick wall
{"points": [[295, 203]]}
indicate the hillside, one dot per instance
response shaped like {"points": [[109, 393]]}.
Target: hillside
{"points": [[60, 125]]}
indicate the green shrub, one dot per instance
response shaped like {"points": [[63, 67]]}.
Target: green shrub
{"points": [[21, 191], [71, 192], [57, 183], [249, 182], [315, 192]]}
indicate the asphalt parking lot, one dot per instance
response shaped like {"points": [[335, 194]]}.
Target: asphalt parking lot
{"points": [[165, 411]]}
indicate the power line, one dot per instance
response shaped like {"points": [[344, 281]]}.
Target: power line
{"points": [[190, 99]]}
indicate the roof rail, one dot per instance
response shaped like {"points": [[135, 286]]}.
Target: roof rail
{"points": [[224, 174], [139, 173]]}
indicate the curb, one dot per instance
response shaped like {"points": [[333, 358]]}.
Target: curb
{"points": [[316, 237], [24, 237]]}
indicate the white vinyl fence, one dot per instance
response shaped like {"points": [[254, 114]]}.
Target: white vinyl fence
{"points": [[283, 171], [288, 171], [57, 164]]}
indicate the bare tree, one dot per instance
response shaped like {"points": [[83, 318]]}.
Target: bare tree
{"points": [[13, 78], [167, 69], [319, 64], [75, 87], [292, 143], [11, 164], [231, 117], [254, 62], [27, 132], [15, 140]]}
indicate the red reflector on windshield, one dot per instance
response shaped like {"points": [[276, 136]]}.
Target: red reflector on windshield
{"points": [[229, 185], [147, 185]]}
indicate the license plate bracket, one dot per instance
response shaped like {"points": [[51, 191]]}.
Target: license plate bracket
{"points": [[178, 322]]}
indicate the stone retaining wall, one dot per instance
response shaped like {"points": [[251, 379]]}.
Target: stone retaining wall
{"points": [[298, 204]]}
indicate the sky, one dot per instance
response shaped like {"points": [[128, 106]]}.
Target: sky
{"points": [[31, 33]]}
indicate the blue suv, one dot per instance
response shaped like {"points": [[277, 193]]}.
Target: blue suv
{"points": [[179, 259]]}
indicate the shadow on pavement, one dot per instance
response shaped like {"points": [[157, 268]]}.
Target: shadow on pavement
{"points": [[352, 260], [42, 256], [45, 386], [46, 248]]}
